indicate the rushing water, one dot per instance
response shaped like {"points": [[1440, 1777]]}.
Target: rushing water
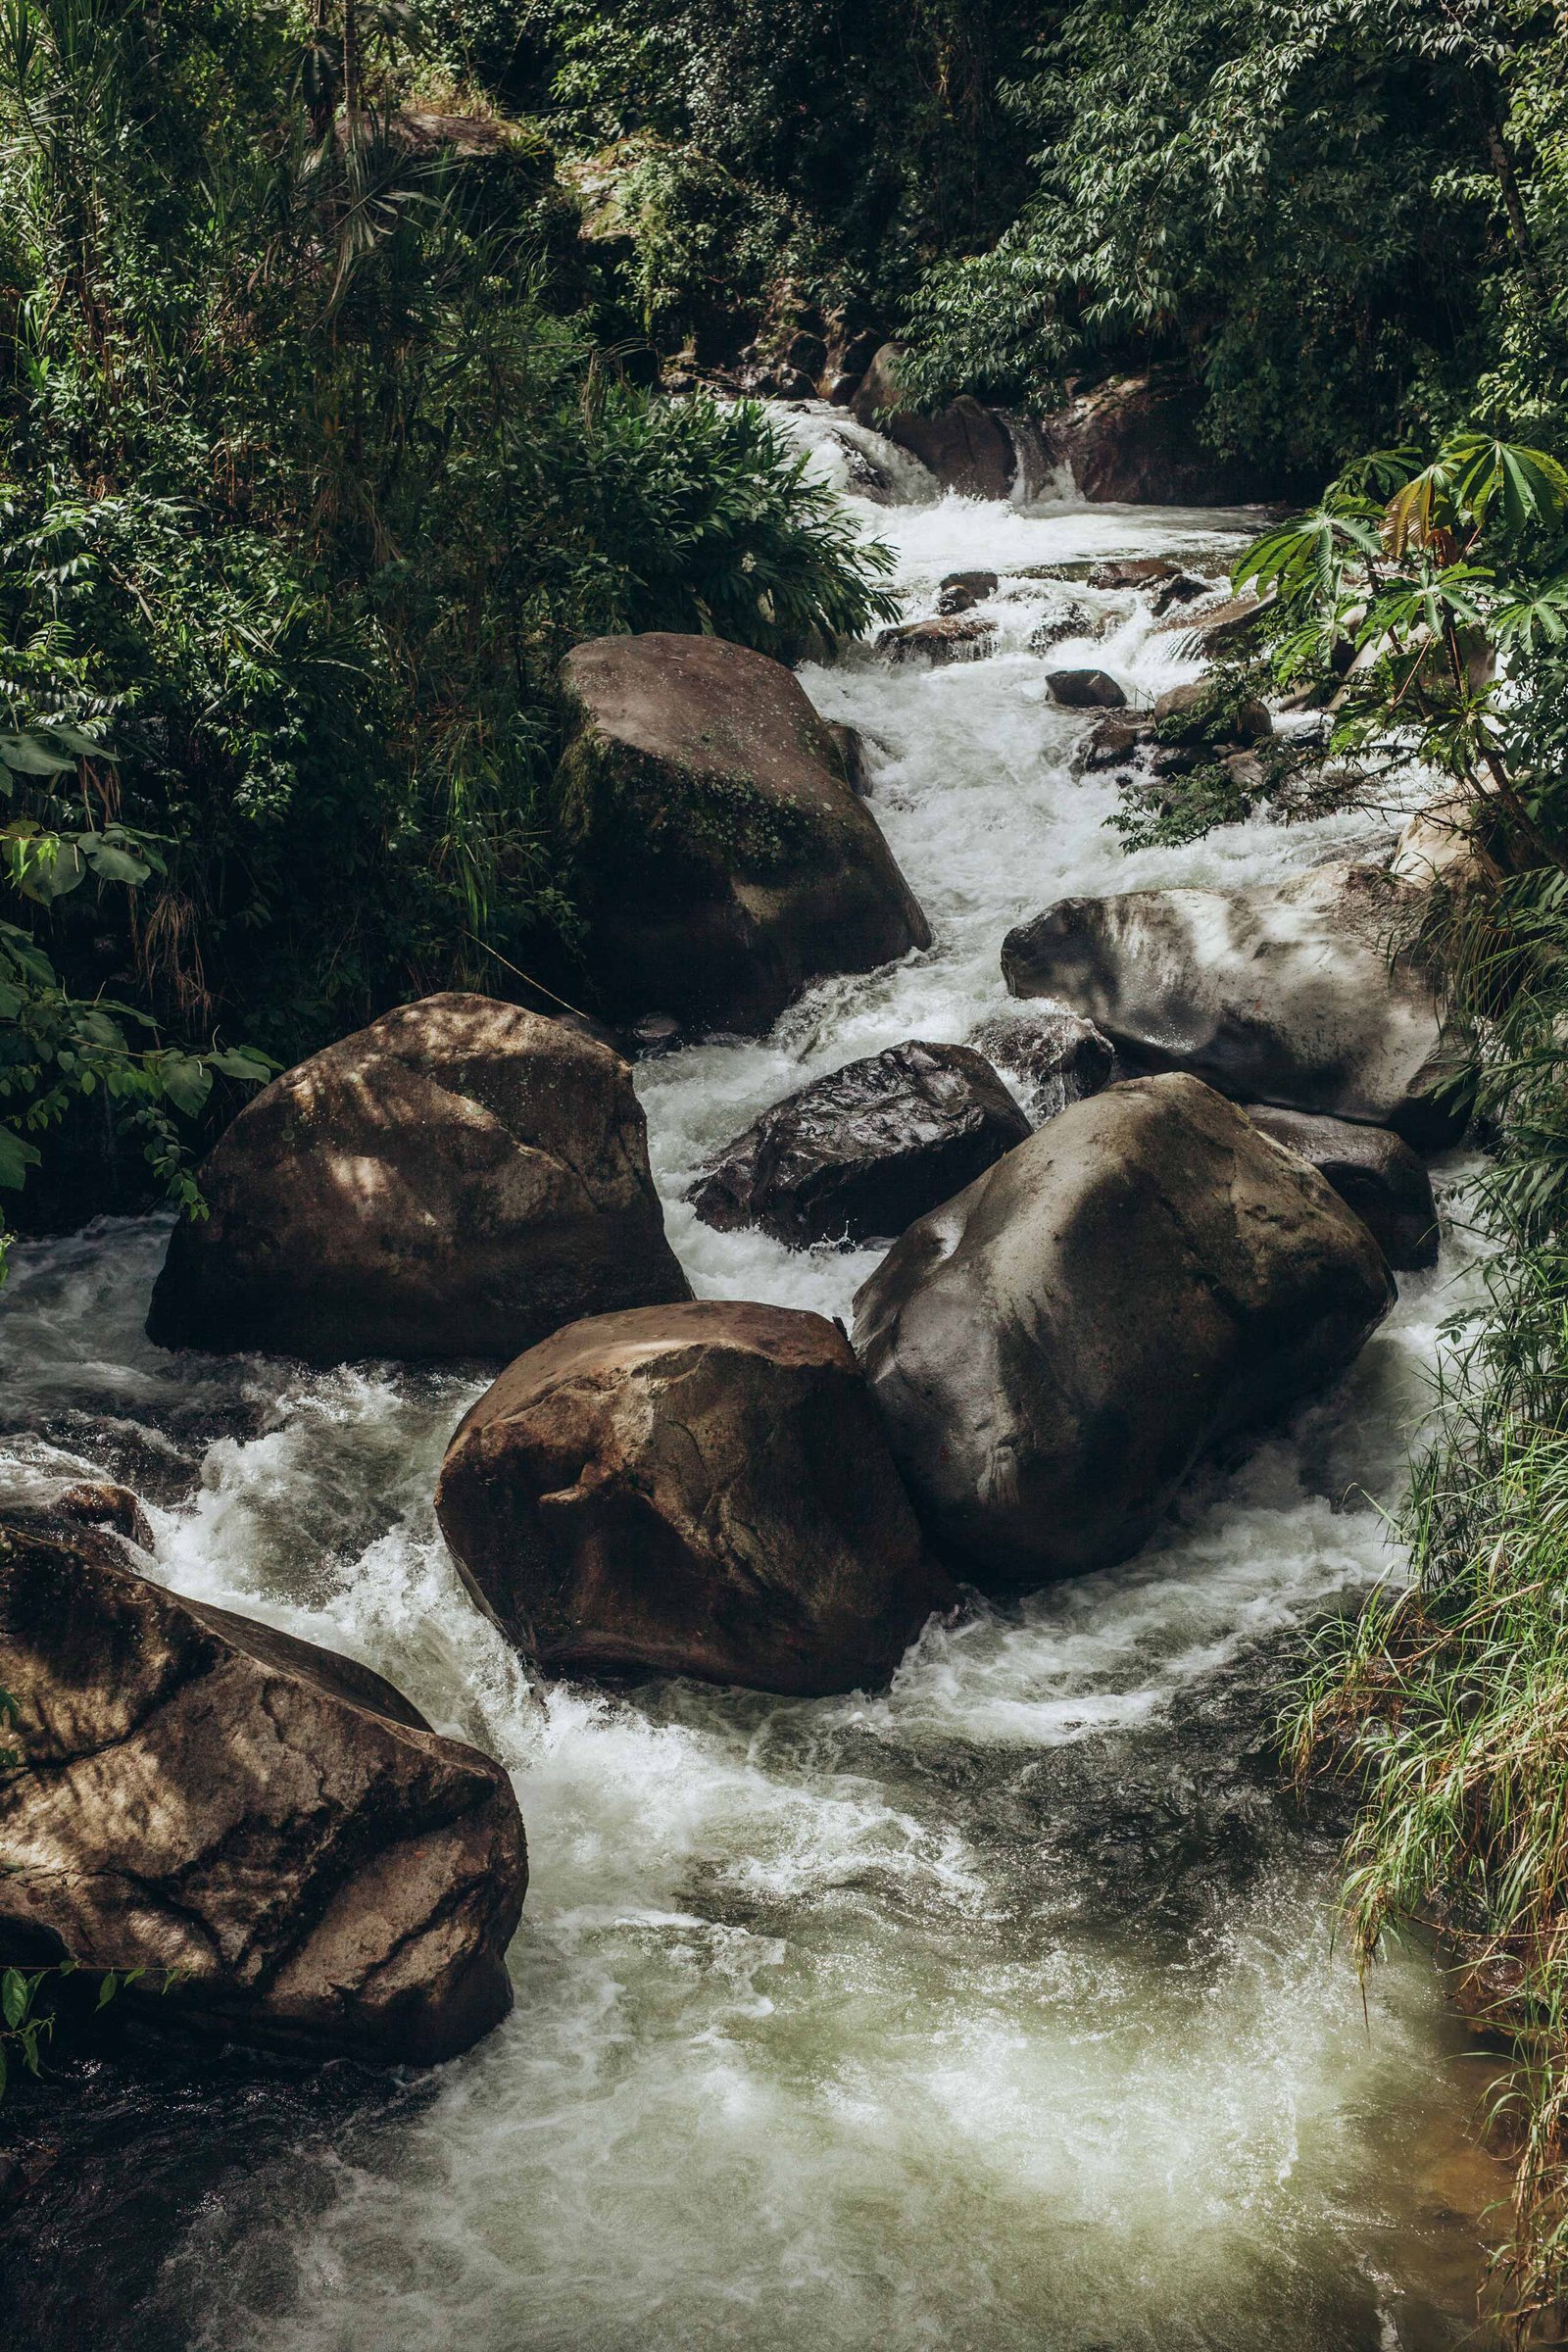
{"points": [[999, 2010]]}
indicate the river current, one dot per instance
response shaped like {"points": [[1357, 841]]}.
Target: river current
{"points": [[1001, 2009]]}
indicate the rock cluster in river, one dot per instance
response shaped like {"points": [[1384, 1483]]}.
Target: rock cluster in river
{"points": [[698, 1489], [456, 1180], [270, 1831], [727, 862], [1054, 1350]]}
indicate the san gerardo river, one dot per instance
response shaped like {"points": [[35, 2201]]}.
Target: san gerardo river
{"points": [[1002, 2010]]}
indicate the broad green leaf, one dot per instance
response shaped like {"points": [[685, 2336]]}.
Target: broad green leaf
{"points": [[14, 1995], [29, 757], [108, 1988], [185, 1082], [110, 862], [16, 1156]]}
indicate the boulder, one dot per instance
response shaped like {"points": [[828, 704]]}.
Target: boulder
{"points": [[1250, 722], [860, 1155], [727, 862], [1185, 588], [1135, 438], [966, 445], [456, 1180], [959, 637], [1132, 572], [1086, 690], [1214, 632], [698, 1489], [1055, 1349], [1373, 1173], [200, 1795], [1114, 741], [1295, 993], [1446, 843], [962, 589], [1059, 1055]]}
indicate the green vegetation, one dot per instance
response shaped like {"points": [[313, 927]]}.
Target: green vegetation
{"points": [[311, 466]]}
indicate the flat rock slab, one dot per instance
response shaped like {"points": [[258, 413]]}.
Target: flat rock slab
{"points": [[1055, 1349], [457, 1180], [201, 1794], [726, 860], [859, 1155], [1294, 992], [1373, 1171], [700, 1489]]}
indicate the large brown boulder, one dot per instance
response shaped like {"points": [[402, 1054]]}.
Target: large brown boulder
{"points": [[727, 863], [457, 1180], [1296, 993], [271, 1827], [966, 445], [1055, 1349], [1135, 438], [698, 1489], [863, 1152]]}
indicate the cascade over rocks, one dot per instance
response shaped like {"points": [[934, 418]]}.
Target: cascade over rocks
{"points": [[700, 1489], [1059, 1056], [730, 862], [961, 636], [1281, 992], [203, 1795], [1373, 1173], [966, 445], [863, 1152], [1054, 1350], [456, 1180]]}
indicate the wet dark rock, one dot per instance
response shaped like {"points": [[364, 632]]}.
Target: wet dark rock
{"points": [[962, 589], [1114, 742], [201, 1794], [1086, 690], [1295, 993], [1250, 723], [456, 1180], [859, 1155], [730, 862], [1184, 589], [1135, 438], [655, 1034], [960, 637], [698, 1489], [849, 746], [1132, 572], [1079, 621], [967, 446], [1373, 1171], [1060, 1056], [1223, 625], [1055, 1349]]}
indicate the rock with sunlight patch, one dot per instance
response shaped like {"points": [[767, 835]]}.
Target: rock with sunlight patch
{"points": [[1373, 1171], [861, 1154], [700, 1489], [270, 1830], [457, 1180], [1055, 1349], [1301, 993], [966, 445], [729, 861]]}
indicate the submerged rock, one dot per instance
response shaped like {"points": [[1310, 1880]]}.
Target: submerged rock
{"points": [[1060, 1056], [1373, 1173], [201, 1794], [1295, 992], [963, 637], [1114, 742], [456, 1180], [729, 861], [962, 589], [698, 1489], [861, 1154], [1086, 690], [1054, 1350]]}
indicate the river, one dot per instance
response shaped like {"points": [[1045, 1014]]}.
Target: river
{"points": [[999, 2010]]}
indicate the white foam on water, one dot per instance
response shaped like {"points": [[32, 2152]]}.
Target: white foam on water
{"points": [[875, 2020]]}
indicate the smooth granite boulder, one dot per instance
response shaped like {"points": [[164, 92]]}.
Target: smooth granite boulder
{"points": [[1373, 1171], [270, 1829], [1055, 1349], [727, 862], [700, 1489], [1298, 993], [457, 1180]]}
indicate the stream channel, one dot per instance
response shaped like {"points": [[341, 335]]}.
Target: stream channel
{"points": [[1001, 2009]]}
